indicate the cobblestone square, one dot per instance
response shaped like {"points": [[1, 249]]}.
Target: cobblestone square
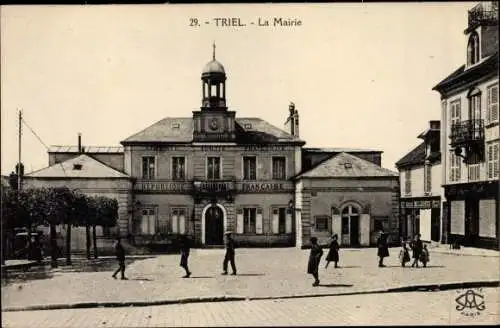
{"points": [[262, 273]]}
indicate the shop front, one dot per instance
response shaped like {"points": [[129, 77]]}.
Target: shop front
{"points": [[422, 216]]}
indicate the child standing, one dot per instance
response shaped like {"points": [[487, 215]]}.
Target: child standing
{"points": [[424, 257], [404, 254]]}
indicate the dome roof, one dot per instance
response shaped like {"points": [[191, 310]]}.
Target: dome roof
{"points": [[213, 67]]}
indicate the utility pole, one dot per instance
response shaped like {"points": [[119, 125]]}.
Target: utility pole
{"points": [[19, 152]]}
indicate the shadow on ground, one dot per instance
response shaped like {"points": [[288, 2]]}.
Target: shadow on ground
{"points": [[334, 285], [18, 276], [250, 274]]}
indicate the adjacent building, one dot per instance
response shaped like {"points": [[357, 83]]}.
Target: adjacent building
{"points": [[470, 135], [421, 191], [213, 171]]}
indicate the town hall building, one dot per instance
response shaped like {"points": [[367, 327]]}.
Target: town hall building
{"points": [[213, 172]]}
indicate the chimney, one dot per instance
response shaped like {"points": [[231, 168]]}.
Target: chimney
{"points": [[290, 121], [296, 122], [79, 143]]}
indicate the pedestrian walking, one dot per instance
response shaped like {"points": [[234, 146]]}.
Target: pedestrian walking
{"points": [[417, 247], [333, 253], [314, 259], [185, 248], [383, 249], [120, 256], [404, 254], [229, 257], [424, 257]]}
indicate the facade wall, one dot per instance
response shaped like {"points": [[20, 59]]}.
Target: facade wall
{"points": [[472, 214], [162, 194], [196, 160], [378, 198], [491, 131]]}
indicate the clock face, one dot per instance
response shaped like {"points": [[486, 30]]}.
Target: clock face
{"points": [[214, 124]]}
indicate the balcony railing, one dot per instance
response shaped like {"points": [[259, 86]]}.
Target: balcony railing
{"points": [[483, 13], [467, 132]]}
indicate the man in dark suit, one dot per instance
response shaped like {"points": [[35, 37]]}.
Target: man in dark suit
{"points": [[417, 247], [185, 247], [229, 257], [383, 248], [120, 255]]}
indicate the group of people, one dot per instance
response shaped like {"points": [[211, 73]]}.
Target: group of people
{"points": [[185, 247], [419, 249], [420, 253]]}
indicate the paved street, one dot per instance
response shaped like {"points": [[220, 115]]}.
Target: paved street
{"points": [[416, 308], [261, 273]]}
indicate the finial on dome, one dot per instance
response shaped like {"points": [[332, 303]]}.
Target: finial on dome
{"points": [[213, 45]]}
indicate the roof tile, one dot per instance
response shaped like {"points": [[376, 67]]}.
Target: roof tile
{"points": [[90, 168], [345, 165]]}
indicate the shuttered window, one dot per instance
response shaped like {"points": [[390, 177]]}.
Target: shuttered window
{"points": [[492, 102]]}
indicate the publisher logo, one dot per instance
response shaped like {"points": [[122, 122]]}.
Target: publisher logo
{"points": [[470, 303]]}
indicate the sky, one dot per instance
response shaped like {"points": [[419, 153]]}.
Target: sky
{"points": [[360, 75]]}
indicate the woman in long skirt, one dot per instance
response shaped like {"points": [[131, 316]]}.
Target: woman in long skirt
{"points": [[333, 253], [314, 259]]}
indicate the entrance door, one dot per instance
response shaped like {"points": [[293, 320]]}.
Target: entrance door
{"points": [[350, 214], [214, 226], [435, 222], [355, 230], [471, 220]]}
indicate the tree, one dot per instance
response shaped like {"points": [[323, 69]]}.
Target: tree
{"points": [[55, 210], [90, 218], [78, 211], [104, 212], [9, 208]]}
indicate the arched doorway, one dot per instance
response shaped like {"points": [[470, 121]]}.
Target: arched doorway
{"points": [[350, 224], [214, 222]]}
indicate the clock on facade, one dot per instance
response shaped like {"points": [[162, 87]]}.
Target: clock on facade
{"points": [[214, 125]]}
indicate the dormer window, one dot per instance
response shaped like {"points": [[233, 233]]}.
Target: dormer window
{"points": [[176, 126], [348, 165], [473, 49], [248, 126], [77, 167]]}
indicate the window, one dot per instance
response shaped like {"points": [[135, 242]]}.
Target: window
{"points": [[378, 225], [473, 171], [148, 167], [348, 213], [178, 220], [249, 168], [178, 168], [475, 107], [408, 182], [281, 220], [321, 223], [493, 161], [213, 168], [279, 168], [428, 178], [345, 225], [148, 222], [473, 49], [492, 103], [249, 220]]}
